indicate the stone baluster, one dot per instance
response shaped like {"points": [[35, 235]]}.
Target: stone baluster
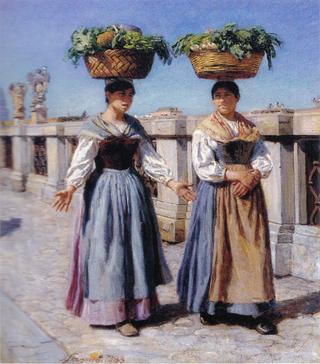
{"points": [[21, 165], [2, 153], [56, 160], [170, 133], [279, 188]]}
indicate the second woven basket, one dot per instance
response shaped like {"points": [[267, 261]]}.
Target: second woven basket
{"points": [[212, 64]]}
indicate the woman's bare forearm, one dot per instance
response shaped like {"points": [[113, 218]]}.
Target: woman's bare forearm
{"points": [[233, 176], [71, 188]]}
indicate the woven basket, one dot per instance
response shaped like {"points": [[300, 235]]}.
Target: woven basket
{"points": [[212, 64], [126, 63]]}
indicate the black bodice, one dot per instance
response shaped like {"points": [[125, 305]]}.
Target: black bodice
{"points": [[116, 153], [236, 152]]}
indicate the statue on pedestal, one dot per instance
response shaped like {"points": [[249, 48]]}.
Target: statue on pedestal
{"points": [[17, 92], [39, 83]]}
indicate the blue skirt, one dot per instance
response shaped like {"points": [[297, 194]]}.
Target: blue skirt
{"points": [[195, 272], [120, 256]]}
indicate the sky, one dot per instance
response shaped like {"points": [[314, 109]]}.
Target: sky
{"points": [[35, 33]]}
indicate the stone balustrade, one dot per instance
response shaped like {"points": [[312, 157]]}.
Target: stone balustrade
{"points": [[292, 190]]}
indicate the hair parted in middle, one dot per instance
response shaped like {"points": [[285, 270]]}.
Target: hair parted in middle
{"points": [[119, 85], [228, 85]]}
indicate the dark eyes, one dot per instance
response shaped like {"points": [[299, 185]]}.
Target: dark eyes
{"points": [[218, 96], [122, 93]]}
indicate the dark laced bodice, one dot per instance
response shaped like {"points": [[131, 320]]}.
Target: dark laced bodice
{"points": [[236, 152], [116, 153]]}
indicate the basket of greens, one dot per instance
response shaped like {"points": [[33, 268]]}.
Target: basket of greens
{"points": [[117, 51], [229, 52]]}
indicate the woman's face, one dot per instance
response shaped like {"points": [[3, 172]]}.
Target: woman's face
{"points": [[225, 101], [120, 100]]}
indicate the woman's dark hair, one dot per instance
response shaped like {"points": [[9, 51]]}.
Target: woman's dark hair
{"points": [[228, 85], [119, 85]]}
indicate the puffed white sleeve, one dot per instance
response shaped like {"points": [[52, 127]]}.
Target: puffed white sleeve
{"points": [[82, 163], [152, 163], [204, 160], [261, 159]]}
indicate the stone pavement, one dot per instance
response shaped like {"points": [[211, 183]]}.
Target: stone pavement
{"points": [[37, 328]]}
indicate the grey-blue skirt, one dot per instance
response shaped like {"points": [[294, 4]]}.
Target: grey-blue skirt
{"points": [[120, 256], [195, 272]]}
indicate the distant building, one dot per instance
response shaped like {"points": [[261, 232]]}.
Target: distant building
{"points": [[166, 112]]}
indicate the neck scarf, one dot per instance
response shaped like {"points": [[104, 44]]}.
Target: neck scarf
{"points": [[101, 129], [218, 128]]}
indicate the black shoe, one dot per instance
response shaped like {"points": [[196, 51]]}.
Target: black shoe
{"points": [[266, 327], [207, 319]]}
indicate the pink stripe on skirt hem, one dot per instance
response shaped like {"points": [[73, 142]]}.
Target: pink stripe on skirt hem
{"points": [[111, 313]]}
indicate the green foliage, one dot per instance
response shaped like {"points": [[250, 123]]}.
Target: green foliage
{"points": [[134, 40], [240, 42], [84, 42], [185, 43]]}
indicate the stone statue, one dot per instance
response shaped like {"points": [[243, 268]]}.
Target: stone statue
{"points": [[39, 83], [18, 91], [275, 106]]}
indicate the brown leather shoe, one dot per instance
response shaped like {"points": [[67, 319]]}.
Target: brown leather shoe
{"points": [[127, 329]]}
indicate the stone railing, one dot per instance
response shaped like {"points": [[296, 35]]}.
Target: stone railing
{"points": [[292, 137], [41, 154]]}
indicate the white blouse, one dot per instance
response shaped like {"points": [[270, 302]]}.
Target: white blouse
{"points": [[82, 163], [205, 161]]}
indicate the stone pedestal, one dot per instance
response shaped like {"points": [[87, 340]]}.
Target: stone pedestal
{"points": [[18, 181], [273, 122], [279, 187], [36, 183], [5, 177], [279, 194], [19, 116], [2, 153], [39, 116], [56, 161], [171, 218], [20, 159], [172, 146], [281, 248], [5, 171]]}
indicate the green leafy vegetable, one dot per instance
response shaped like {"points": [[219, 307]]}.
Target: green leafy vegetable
{"points": [[240, 42], [84, 42]]}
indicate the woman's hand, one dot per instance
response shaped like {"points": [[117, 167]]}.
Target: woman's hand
{"points": [[238, 189], [251, 179], [248, 178], [183, 190], [246, 183], [63, 199]]}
